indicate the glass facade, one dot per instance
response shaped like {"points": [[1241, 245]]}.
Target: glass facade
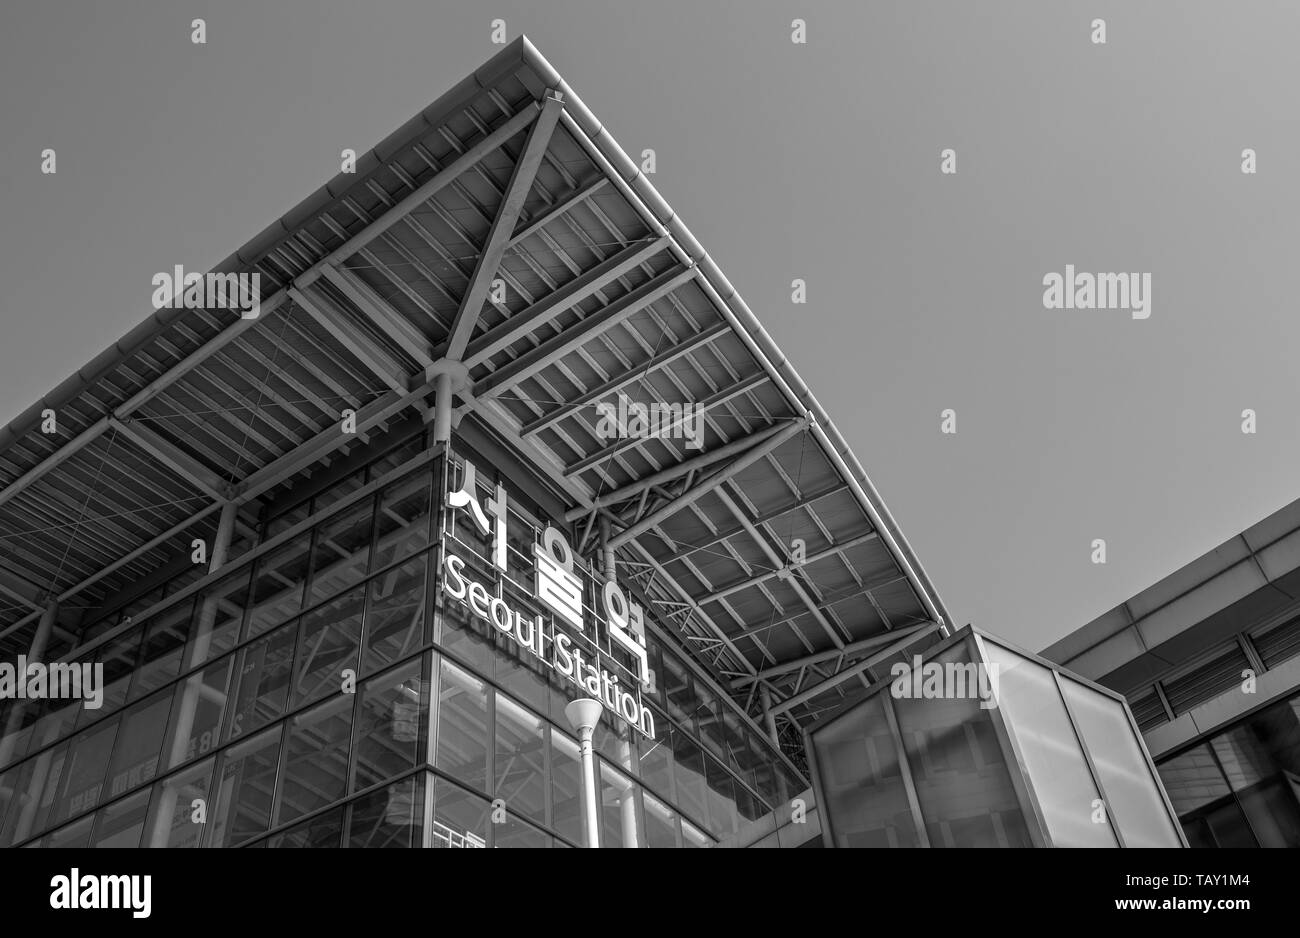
{"points": [[977, 745], [1240, 787], [321, 690]]}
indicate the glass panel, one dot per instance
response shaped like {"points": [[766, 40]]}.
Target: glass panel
{"points": [[329, 639], [1265, 744], [866, 801], [342, 551], [263, 682], [395, 618], [324, 830], [1035, 715], [403, 518], [962, 784], [391, 737], [620, 819], [83, 775], [174, 816], [566, 788], [164, 645], [246, 783], [1273, 812], [221, 612], [459, 818], [118, 657], [390, 817], [76, 834], [679, 690], [462, 738], [612, 739], [122, 823], [520, 760], [198, 705], [1192, 779], [513, 832], [336, 491], [278, 585], [34, 788], [688, 777], [465, 635], [1134, 801], [135, 758], [660, 823], [655, 758], [723, 816], [316, 764]]}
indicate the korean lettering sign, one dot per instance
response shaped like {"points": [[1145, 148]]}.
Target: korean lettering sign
{"points": [[570, 642]]}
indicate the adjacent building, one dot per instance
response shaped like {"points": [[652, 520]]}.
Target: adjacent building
{"points": [[1209, 659]]}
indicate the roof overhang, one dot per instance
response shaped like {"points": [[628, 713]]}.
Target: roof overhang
{"points": [[767, 547]]}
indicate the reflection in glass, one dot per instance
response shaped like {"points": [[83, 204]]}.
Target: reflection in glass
{"points": [[462, 738], [1035, 715], [390, 817], [278, 584], [165, 637], [395, 617], [329, 638], [520, 760], [175, 819], [121, 823], [620, 818], [961, 780], [342, 551], [1133, 800], [460, 820], [245, 784], [866, 801], [324, 830], [263, 682], [393, 722], [316, 763]]}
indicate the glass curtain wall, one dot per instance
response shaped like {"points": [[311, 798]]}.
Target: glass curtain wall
{"points": [[319, 691]]}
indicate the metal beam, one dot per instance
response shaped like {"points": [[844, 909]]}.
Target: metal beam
{"points": [[272, 474], [848, 651], [558, 301], [334, 321], [559, 209], [628, 377], [633, 489], [777, 561], [180, 462], [849, 673], [445, 177], [702, 488], [744, 386], [555, 348], [382, 314], [503, 226], [787, 569]]}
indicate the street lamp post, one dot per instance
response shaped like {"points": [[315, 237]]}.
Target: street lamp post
{"points": [[583, 714]]}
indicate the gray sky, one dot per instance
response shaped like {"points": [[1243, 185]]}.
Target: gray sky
{"points": [[818, 161]]}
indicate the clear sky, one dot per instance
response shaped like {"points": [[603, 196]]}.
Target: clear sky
{"points": [[819, 161]]}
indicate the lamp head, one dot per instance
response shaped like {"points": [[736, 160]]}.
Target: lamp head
{"points": [[583, 713]]}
